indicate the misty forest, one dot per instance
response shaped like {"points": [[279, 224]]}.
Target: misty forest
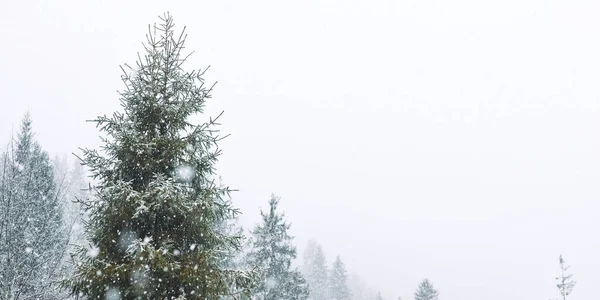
{"points": [[148, 216]]}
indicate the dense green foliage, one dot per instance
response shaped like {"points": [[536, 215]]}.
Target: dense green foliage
{"points": [[154, 212]]}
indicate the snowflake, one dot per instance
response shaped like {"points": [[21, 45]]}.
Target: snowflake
{"points": [[185, 173], [93, 252]]}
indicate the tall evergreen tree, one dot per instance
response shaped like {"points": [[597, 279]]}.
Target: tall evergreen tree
{"points": [[315, 271], [379, 297], [338, 281], [153, 213], [273, 252], [565, 281], [32, 233], [426, 291]]}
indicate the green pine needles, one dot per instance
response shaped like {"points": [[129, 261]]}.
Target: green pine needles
{"points": [[154, 213]]}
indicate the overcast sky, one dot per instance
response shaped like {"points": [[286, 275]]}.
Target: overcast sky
{"points": [[454, 140]]}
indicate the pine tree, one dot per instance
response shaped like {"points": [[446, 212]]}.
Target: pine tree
{"points": [[315, 271], [155, 208], [565, 282], [273, 252], [379, 297], [426, 291], [338, 281], [32, 234]]}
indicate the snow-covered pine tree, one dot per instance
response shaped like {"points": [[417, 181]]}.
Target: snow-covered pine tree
{"points": [[338, 281], [154, 209], [565, 281], [379, 297], [425, 291], [272, 252], [315, 271], [32, 235]]}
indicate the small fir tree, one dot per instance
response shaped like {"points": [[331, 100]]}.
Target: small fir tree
{"points": [[315, 271], [565, 281], [426, 291], [273, 252], [154, 211], [338, 281]]}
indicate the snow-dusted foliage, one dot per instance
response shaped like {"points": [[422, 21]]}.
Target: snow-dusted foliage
{"points": [[338, 281], [33, 238], [425, 291], [315, 271], [153, 213], [273, 252]]}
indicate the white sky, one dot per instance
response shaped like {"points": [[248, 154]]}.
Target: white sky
{"points": [[454, 140]]}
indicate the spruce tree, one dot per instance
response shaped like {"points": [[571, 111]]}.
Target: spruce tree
{"points": [[338, 281], [32, 234], [426, 291], [273, 252], [154, 210], [379, 297], [565, 281], [315, 271]]}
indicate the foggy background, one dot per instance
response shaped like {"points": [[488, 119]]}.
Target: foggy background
{"points": [[453, 140]]}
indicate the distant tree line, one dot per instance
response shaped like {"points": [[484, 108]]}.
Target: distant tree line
{"points": [[157, 222]]}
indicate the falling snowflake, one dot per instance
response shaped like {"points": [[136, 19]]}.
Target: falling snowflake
{"points": [[271, 282], [147, 240], [113, 294], [126, 239], [93, 252], [185, 173]]}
